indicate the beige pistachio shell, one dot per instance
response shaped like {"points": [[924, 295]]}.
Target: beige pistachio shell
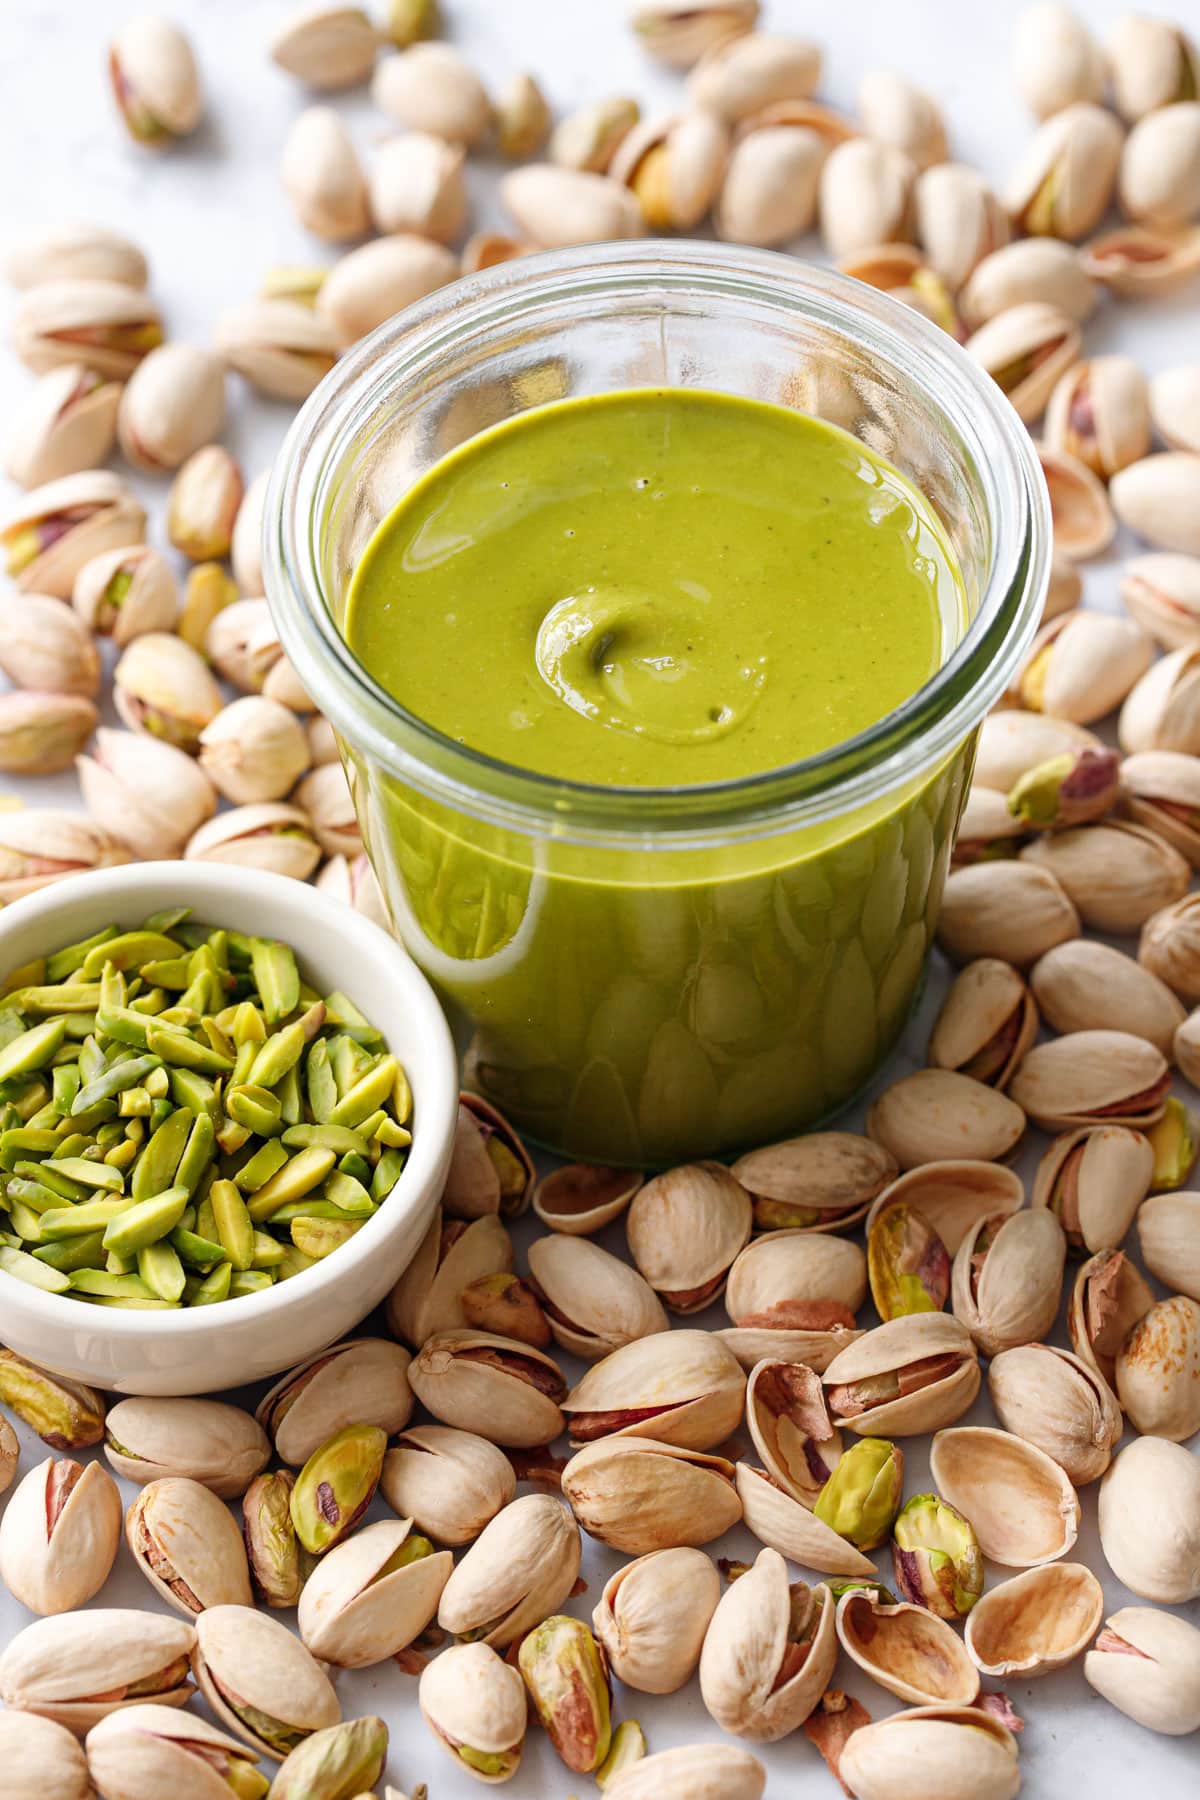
{"points": [[426, 1299], [1084, 526], [1055, 59], [789, 1424], [146, 793], [519, 1570], [1158, 1370], [45, 645], [594, 1302], [253, 750], [361, 1381], [1064, 181], [1108, 1298], [1024, 1509], [1168, 1229], [1161, 791], [590, 137], [474, 1184], [637, 1495], [652, 1617], [145, 1751], [370, 284], [907, 1650], [155, 81], [1149, 1515], [74, 1668], [103, 324], [556, 207], [748, 1644], [678, 32], [1052, 1399], [674, 165], [56, 1554], [1092, 1077], [1065, 590], [10, 1451], [248, 1660], [581, 1198], [1095, 1179], [909, 1376], [1035, 1622], [896, 111], [932, 1753], [42, 1758], [752, 1344], [469, 1696], [934, 1115], [786, 1525], [99, 513], [470, 1379], [451, 1483], [416, 184], [866, 196], [1152, 62], [172, 405], [685, 1229], [699, 1771], [202, 1440], [1163, 710], [150, 602], [987, 1022], [1100, 414], [1039, 271], [1006, 1283], [1117, 874], [1086, 986], [834, 1175], [684, 1387], [280, 347], [326, 46], [271, 836], [1012, 910], [1012, 743], [739, 77], [322, 176], [1175, 406], [1158, 498], [952, 1195], [430, 87], [76, 250], [188, 1546], [782, 1266], [769, 193], [354, 1612], [66, 422], [960, 222], [1025, 349], [1159, 180], [1143, 260], [1168, 948], [1187, 1047], [1147, 1664]]}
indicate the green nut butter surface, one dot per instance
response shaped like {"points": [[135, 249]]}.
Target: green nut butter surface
{"points": [[661, 588]]}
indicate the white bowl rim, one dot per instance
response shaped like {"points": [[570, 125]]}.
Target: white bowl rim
{"points": [[206, 884]]}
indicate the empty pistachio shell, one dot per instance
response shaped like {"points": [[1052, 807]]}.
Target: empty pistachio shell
{"points": [[935, 1114], [1084, 986], [1055, 59], [652, 1617], [1024, 1510], [66, 422], [674, 166], [745, 74], [429, 87], [987, 1022], [78, 1667], [187, 1545], [784, 1269], [1025, 349], [1035, 1622], [146, 793], [789, 1423], [769, 1652], [936, 1557], [1116, 874], [322, 176], [372, 1595], [580, 1198], [678, 32], [260, 1681], [786, 1525], [908, 1650], [557, 206], [588, 139], [1051, 1398], [1159, 181], [360, 1381], [1141, 260], [1062, 184], [1168, 1235], [53, 531], [520, 1569], [163, 687], [1158, 1370], [594, 1301], [1147, 1664], [77, 250], [1007, 1279], [960, 223], [59, 1535], [953, 1194], [1159, 498], [281, 347], [155, 81], [1094, 1180], [451, 1483], [416, 185], [1149, 1516], [1032, 271], [866, 196], [326, 47], [474, 1704], [822, 1182], [1093, 1077], [638, 1495], [202, 1440], [506, 1391], [685, 1229], [172, 404], [103, 324], [907, 1377]]}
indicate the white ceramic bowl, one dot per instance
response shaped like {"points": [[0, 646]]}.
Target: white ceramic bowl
{"points": [[199, 1349]]}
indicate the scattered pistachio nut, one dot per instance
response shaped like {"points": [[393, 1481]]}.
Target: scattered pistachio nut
{"points": [[416, 185], [260, 1681], [1142, 260], [1158, 498], [521, 1567], [203, 504], [637, 1495], [936, 1557], [162, 687], [253, 750], [938, 1113], [866, 196], [40, 845], [1166, 1228], [379, 279], [594, 1303], [338, 1762], [743, 74], [953, 1194], [67, 422], [276, 1562], [1158, 1370], [1007, 1279], [715, 1769], [1065, 179], [825, 1181], [682, 1387], [523, 117], [144, 1751], [372, 1594], [653, 1615], [155, 81], [674, 166], [105, 325], [897, 1758], [557, 207], [769, 1653], [987, 1022], [1094, 1180], [1080, 514], [567, 1679], [53, 531], [1108, 1298], [1152, 63], [769, 192], [782, 1270], [59, 1535], [685, 1230], [1159, 179], [430, 87], [906, 1648], [679, 32], [1117, 874], [281, 347], [909, 1376], [75, 250], [1025, 349], [588, 139], [271, 836], [41, 734], [146, 793]]}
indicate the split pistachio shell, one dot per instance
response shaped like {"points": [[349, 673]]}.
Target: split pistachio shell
{"points": [[322, 176], [1100, 414], [739, 77], [162, 687], [361, 1381], [66, 422], [1143, 260], [104, 325], [816, 1345], [505, 1391], [822, 1182], [557, 207], [429, 87], [960, 222], [987, 1022], [1094, 1180], [1150, 1520], [146, 793], [45, 645], [1162, 592], [41, 734], [155, 81], [10, 1451], [1107, 1300], [783, 1268], [188, 1547], [1052, 1399], [953, 1194], [1186, 1047], [1159, 182], [327, 47], [372, 1595], [769, 1653], [490, 1170], [59, 1536], [242, 644], [1035, 1622], [1024, 1510], [1159, 499], [1031, 271], [40, 845], [638, 1495], [678, 32], [907, 1650], [695, 1772], [1117, 874], [1013, 743], [685, 1229], [1163, 710], [42, 1758], [78, 1667], [941, 1751], [1065, 590], [125, 593], [594, 1302], [793, 1529], [1007, 1279], [907, 1377], [900, 270], [866, 196], [588, 139], [769, 193], [1025, 349], [1063, 183], [146, 1751], [201, 1440], [1147, 1664], [273, 837], [77, 250], [1084, 986], [1079, 510], [1168, 1227], [172, 404], [1158, 1370], [1055, 59], [1015, 911], [53, 531], [450, 1483], [674, 166], [260, 1681], [280, 347], [1093, 1078], [652, 1617], [1152, 63], [518, 1571], [789, 1423], [475, 1706], [325, 796], [416, 185], [253, 750], [683, 1387], [523, 117], [581, 1198], [987, 829], [896, 111], [452, 1254], [935, 1114]]}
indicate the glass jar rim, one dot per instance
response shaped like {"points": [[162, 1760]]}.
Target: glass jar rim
{"points": [[919, 734]]}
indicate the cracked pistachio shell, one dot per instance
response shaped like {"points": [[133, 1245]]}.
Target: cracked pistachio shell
{"points": [[1084, 985], [41, 1758], [789, 1424], [1006, 1283], [685, 1229], [53, 531], [504, 1390], [322, 176], [325, 796], [1158, 1370], [959, 221], [906, 1649], [1025, 349], [1055, 59], [679, 32], [43, 733], [451, 1483], [1159, 499], [693, 1772], [490, 1170], [775, 1341], [40, 845], [589, 138], [894, 110], [1168, 947], [1052, 1399], [1142, 260], [474, 1704], [1159, 181], [1175, 406], [1094, 1181], [1162, 592], [987, 1022], [246, 553], [1152, 63], [1031, 271], [279, 346], [155, 81], [953, 1194], [272, 836], [203, 504], [361, 1381], [935, 1114], [1064, 181], [59, 1536], [66, 422], [769, 192], [932, 1753], [743, 75], [638, 1495], [1013, 743], [363, 1603], [652, 1617], [103, 324], [416, 185], [519, 1570], [46, 646], [1117, 874], [78, 250], [1011, 910], [1082, 518], [78, 1667], [326, 47], [1147, 1664], [909, 1376], [147, 1751], [124, 593], [986, 828], [429, 87], [866, 196], [1163, 710], [253, 750], [1186, 1047], [1100, 414], [821, 1182], [783, 1267], [556, 207], [1149, 1514], [681, 1387], [793, 1529], [1035, 1622], [594, 1302], [1168, 1228], [769, 1653], [1108, 1298], [523, 117], [1093, 1078], [172, 404], [277, 1563], [201, 1440], [257, 1677], [242, 643], [188, 1546], [162, 687], [1024, 1510], [674, 166], [452, 1254], [146, 793]]}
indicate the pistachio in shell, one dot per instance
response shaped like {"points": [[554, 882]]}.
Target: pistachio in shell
{"points": [[1023, 1509], [520, 1569], [685, 1229], [360, 1381], [1094, 1180], [652, 1617], [490, 1169], [1093, 1078], [1025, 349], [794, 1530], [144, 1751], [1052, 1398], [1168, 1229], [674, 166], [1012, 743], [909, 1376], [260, 1681], [203, 1440], [1146, 1663], [593, 1301], [59, 1535], [451, 1483], [740, 76], [866, 196], [1118, 875], [987, 1022], [1149, 1516], [987, 829], [936, 1557], [567, 1678], [824, 1181], [187, 1545], [1063, 182], [785, 1270], [1169, 947], [934, 1114], [962, 1747], [722, 1769], [907, 1649], [685, 1387], [789, 1423], [474, 1704], [371, 1595], [1083, 664], [1100, 414], [504, 1390], [1108, 1298], [1161, 792], [769, 1653], [453, 1253], [1014, 911], [1055, 60], [637, 1495], [1158, 1370], [1006, 1282], [1088, 986], [953, 1194], [77, 1667]]}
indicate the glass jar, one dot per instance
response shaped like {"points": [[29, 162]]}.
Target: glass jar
{"points": [[646, 975]]}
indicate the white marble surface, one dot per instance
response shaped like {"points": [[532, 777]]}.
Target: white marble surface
{"points": [[212, 219]]}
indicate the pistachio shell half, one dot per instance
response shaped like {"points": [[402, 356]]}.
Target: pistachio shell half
{"points": [[789, 1423], [1158, 497], [1035, 1622], [907, 1650], [581, 1198], [954, 1194]]}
